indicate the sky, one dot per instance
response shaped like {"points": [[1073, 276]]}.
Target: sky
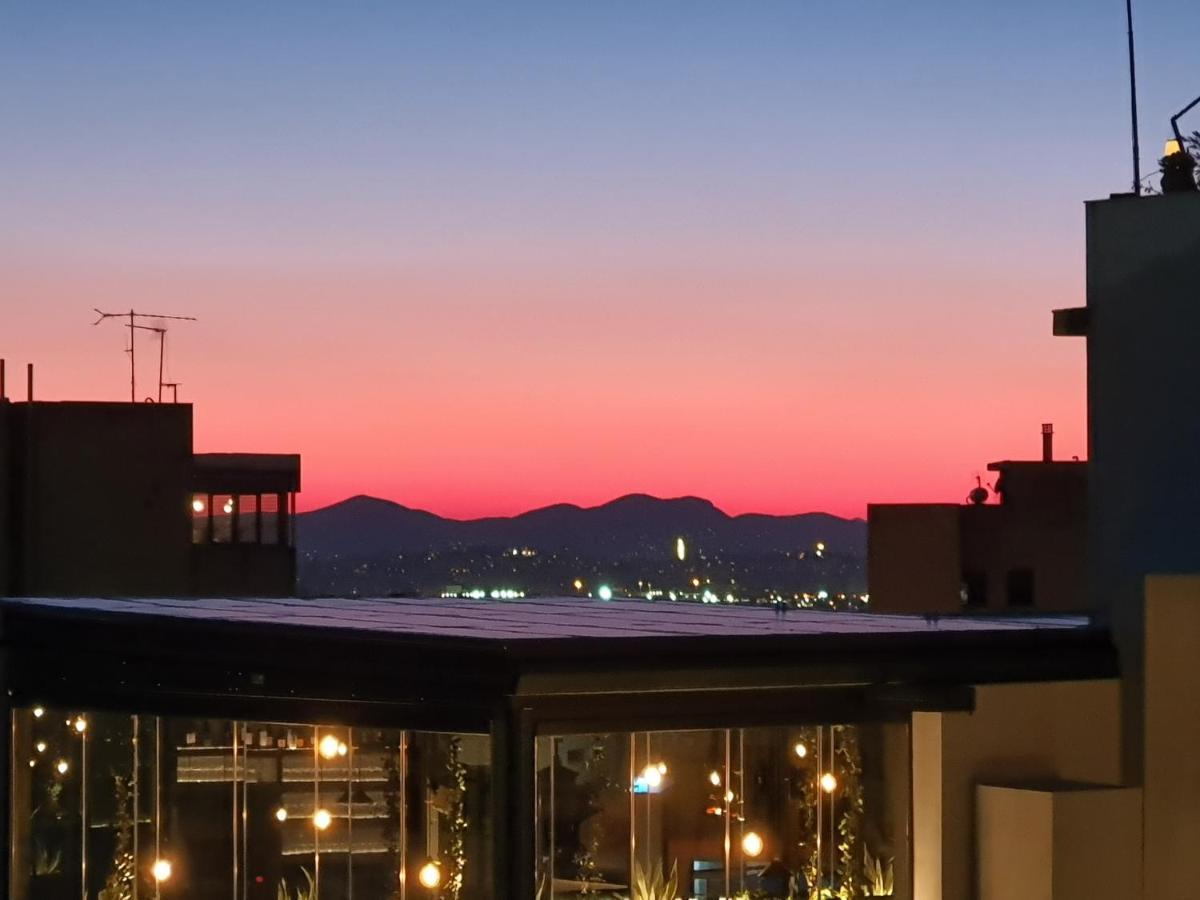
{"points": [[482, 257]]}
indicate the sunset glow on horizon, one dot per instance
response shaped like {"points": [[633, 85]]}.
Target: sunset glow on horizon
{"points": [[784, 258]]}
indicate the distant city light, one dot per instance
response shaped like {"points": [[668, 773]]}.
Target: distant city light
{"points": [[680, 549], [604, 592]]}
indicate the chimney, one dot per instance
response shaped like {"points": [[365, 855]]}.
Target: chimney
{"points": [[1048, 442], [29, 381]]}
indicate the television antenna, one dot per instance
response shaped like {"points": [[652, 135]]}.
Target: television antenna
{"points": [[135, 327]]}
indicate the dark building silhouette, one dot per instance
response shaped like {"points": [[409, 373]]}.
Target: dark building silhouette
{"points": [[1027, 550], [108, 499]]}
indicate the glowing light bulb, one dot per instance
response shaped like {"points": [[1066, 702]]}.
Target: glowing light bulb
{"points": [[228, 506], [80, 724], [662, 768], [801, 749], [680, 549], [62, 767], [322, 819], [38, 712], [714, 778], [281, 814], [578, 584], [41, 746], [328, 747], [342, 749], [752, 844], [430, 875], [1172, 147], [652, 776], [729, 796], [198, 505], [604, 592], [829, 783], [161, 870]]}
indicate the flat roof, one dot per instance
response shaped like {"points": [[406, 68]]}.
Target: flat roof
{"points": [[550, 618], [575, 663]]}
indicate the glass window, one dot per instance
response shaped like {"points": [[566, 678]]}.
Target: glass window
{"points": [[810, 812], [201, 504], [224, 507], [269, 510], [113, 805], [247, 519]]}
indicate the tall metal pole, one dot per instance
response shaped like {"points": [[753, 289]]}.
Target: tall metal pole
{"points": [[1137, 164], [132, 366]]}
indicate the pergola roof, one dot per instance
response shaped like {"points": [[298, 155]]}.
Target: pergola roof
{"points": [[577, 660]]}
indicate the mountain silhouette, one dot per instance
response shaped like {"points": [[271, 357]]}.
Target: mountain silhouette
{"points": [[636, 525]]}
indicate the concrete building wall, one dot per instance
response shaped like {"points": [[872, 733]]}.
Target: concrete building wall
{"points": [[1058, 842], [1143, 301], [1172, 736], [913, 557], [101, 497], [1065, 731]]}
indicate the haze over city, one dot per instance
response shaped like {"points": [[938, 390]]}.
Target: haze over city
{"points": [[483, 258]]}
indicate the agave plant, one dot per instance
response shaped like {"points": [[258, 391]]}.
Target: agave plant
{"points": [[880, 876], [307, 892], [651, 885]]}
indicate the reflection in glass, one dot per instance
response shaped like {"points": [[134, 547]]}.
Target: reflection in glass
{"points": [[122, 807], [799, 813]]}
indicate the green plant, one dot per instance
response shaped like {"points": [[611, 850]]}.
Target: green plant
{"points": [[651, 885], [307, 892], [45, 862], [880, 877]]}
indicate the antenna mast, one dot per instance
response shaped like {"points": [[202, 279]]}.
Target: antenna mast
{"points": [[1137, 164], [134, 327]]}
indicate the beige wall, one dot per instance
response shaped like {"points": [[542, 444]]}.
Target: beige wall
{"points": [[1172, 736], [913, 557], [1062, 731]]}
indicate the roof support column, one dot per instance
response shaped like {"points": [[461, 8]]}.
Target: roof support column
{"points": [[513, 780]]}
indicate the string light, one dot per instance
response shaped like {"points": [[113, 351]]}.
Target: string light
{"points": [[161, 870], [329, 746], [714, 778], [752, 844], [41, 746], [430, 875], [62, 767], [281, 814], [801, 749], [38, 712], [829, 783], [322, 819]]}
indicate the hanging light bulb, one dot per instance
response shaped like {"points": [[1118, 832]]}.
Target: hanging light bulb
{"points": [[829, 783], [430, 875], [62, 767], [41, 746], [38, 712], [752, 844], [281, 814], [322, 819], [801, 749], [714, 778], [161, 870], [328, 746], [197, 505], [342, 749], [80, 724]]}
